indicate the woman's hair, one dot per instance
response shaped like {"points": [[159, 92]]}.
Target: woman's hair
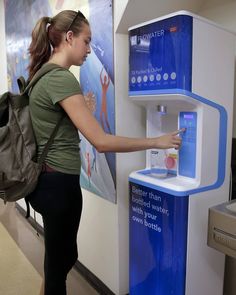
{"points": [[48, 33]]}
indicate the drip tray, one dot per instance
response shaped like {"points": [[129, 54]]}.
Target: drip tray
{"points": [[222, 228]]}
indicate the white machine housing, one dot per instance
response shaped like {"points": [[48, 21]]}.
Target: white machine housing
{"points": [[211, 97]]}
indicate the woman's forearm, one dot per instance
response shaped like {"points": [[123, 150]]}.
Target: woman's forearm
{"points": [[111, 143]]}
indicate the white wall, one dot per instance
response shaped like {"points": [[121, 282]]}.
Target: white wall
{"points": [[98, 239], [119, 8], [223, 12], [138, 11]]}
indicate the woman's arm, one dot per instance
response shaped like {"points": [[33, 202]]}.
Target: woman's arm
{"points": [[85, 122]]}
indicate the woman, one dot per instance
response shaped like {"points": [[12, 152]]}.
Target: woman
{"points": [[64, 40]]}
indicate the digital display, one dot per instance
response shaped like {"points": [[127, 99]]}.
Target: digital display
{"points": [[161, 55], [188, 117], [187, 153]]}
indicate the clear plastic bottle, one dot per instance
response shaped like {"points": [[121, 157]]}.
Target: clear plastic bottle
{"points": [[158, 163]]}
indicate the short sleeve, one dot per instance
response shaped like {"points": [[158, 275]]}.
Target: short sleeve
{"points": [[61, 83]]}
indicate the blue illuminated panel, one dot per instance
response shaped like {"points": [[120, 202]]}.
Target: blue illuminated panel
{"points": [[161, 55], [158, 241], [187, 152]]}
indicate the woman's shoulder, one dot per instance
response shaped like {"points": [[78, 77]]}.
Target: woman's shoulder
{"points": [[60, 71], [60, 76], [60, 83]]}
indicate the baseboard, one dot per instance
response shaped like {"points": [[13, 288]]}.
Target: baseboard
{"points": [[97, 284]]}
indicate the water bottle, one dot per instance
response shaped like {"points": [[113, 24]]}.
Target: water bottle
{"points": [[158, 163]]}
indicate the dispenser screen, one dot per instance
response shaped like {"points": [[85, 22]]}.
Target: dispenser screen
{"points": [[187, 152], [161, 56]]}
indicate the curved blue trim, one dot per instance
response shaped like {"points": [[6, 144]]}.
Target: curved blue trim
{"points": [[222, 139], [159, 188], [158, 92]]}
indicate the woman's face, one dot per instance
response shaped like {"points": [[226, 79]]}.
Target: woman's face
{"points": [[81, 46]]}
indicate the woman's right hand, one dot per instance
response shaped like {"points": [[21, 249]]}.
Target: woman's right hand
{"points": [[170, 140]]}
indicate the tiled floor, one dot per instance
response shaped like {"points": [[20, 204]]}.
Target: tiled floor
{"points": [[32, 247]]}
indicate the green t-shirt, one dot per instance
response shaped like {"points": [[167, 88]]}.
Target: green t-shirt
{"points": [[45, 111]]}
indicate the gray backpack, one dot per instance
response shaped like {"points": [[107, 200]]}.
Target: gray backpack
{"points": [[19, 170]]}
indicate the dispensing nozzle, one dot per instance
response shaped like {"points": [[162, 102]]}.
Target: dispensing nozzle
{"points": [[161, 109]]}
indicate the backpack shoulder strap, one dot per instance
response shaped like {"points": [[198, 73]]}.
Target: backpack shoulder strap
{"points": [[21, 84], [40, 73]]}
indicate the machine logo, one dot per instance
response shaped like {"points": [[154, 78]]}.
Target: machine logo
{"points": [[151, 35], [174, 29], [133, 40]]}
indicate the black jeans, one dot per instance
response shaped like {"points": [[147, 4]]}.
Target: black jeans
{"points": [[58, 199]]}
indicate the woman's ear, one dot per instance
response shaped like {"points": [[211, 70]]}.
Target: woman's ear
{"points": [[69, 36]]}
